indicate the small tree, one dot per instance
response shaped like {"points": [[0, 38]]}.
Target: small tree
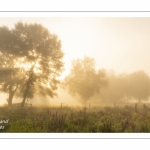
{"points": [[84, 80]]}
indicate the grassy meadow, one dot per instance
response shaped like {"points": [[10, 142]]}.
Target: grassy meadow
{"points": [[117, 119]]}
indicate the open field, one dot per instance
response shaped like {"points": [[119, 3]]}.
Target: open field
{"points": [[76, 120]]}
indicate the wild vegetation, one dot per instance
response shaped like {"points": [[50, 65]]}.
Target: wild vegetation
{"points": [[117, 119]]}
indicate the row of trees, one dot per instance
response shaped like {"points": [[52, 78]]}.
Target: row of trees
{"points": [[86, 82], [30, 61], [127, 87]]}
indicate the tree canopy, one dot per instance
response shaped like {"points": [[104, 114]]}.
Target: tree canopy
{"points": [[36, 53]]}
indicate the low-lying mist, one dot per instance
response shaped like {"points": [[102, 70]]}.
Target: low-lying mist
{"points": [[123, 89], [64, 99]]}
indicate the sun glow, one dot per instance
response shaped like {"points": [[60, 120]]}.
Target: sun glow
{"points": [[27, 66]]}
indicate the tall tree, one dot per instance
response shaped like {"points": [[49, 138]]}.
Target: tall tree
{"points": [[39, 53], [84, 80]]}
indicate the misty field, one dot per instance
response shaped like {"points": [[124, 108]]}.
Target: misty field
{"points": [[117, 119], [32, 70]]}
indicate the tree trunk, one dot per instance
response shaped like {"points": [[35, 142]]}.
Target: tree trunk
{"points": [[23, 102], [25, 93], [24, 97], [10, 100], [11, 95], [27, 88]]}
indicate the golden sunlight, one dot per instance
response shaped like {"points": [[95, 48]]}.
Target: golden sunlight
{"points": [[27, 66]]}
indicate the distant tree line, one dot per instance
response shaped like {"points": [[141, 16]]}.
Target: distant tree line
{"points": [[85, 82], [127, 87]]}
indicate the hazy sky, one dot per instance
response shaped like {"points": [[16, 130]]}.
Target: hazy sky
{"points": [[122, 44]]}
